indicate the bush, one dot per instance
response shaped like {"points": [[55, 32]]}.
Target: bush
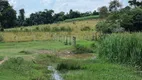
{"points": [[108, 27], [1, 58], [86, 28], [55, 29], [122, 48], [69, 65], [68, 29], [26, 52], [79, 49], [1, 38], [14, 64], [46, 29], [130, 19]]}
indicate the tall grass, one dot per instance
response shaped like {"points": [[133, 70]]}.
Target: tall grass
{"points": [[122, 48]]}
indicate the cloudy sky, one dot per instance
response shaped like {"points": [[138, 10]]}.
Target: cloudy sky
{"points": [[31, 6]]}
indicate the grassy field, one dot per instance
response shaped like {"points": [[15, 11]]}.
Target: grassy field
{"points": [[28, 51], [28, 61], [81, 29]]}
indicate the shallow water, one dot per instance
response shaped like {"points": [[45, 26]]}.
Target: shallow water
{"points": [[55, 75]]}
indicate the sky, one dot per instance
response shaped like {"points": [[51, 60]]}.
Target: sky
{"points": [[32, 6]]}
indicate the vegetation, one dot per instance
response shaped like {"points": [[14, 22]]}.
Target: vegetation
{"points": [[104, 47], [122, 48], [82, 18]]}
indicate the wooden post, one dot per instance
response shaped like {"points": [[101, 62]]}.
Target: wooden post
{"points": [[93, 38], [74, 41]]}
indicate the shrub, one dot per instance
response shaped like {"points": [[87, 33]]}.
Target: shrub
{"points": [[68, 29], [86, 28], [55, 29], [1, 58], [1, 38], [109, 27], [13, 64], [79, 49], [122, 48], [46, 29], [69, 65], [26, 52]]}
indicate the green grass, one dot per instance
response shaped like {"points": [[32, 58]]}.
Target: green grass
{"points": [[14, 48], [25, 64], [122, 48], [95, 70], [82, 18]]}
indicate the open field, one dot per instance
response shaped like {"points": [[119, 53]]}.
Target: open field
{"points": [[81, 29], [35, 56]]}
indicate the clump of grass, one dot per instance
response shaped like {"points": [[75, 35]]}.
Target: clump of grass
{"points": [[69, 65], [122, 48], [86, 28], [25, 69], [26, 52], [1, 58], [1, 38], [80, 49]]}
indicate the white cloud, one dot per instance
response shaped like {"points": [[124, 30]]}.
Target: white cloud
{"points": [[31, 6], [13, 3], [46, 2]]}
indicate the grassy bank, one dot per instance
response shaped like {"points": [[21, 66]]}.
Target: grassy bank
{"points": [[122, 48]]}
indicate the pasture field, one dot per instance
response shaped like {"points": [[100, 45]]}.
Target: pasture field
{"points": [[27, 52], [81, 29], [29, 61]]}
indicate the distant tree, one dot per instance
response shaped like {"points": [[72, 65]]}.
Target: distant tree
{"points": [[74, 14], [22, 14], [103, 11], [95, 12], [21, 17], [114, 5], [135, 3], [8, 14]]}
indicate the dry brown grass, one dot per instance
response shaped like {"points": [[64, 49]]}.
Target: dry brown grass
{"points": [[16, 35]]}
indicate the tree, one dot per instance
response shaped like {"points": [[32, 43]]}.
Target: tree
{"points": [[135, 3], [114, 5], [103, 11], [22, 14], [8, 14], [95, 12], [21, 17]]}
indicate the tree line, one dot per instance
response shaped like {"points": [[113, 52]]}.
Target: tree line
{"points": [[8, 18], [119, 19]]}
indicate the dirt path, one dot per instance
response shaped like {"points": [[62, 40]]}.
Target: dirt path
{"points": [[5, 59]]}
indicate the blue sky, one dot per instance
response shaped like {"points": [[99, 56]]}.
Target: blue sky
{"points": [[31, 6]]}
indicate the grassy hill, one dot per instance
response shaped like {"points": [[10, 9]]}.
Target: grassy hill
{"points": [[81, 29]]}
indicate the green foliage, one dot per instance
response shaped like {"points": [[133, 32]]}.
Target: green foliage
{"points": [[69, 65], [26, 70], [82, 18], [26, 52], [1, 58], [8, 14], [122, 48], [114, 5], [103, 12], [107, 27], [80, 49], [124, 20], [1, 38]]}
